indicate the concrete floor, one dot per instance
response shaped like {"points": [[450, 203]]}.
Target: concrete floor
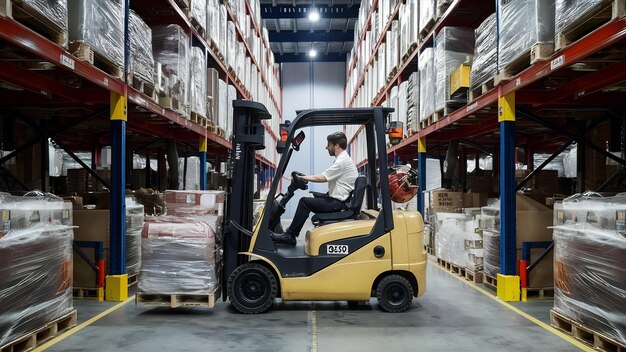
{"points": [[451, 316]]}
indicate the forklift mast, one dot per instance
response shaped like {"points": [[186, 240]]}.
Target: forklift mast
{"points": [[249, 136]]}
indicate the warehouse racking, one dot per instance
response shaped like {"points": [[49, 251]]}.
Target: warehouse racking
{"points": [[60, 96], [540, 108]]}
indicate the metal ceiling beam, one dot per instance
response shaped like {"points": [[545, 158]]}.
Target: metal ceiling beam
{"points": [[337, 11], [332, 36], [306, 58]]}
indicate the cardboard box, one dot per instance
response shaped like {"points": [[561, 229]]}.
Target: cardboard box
{"points": [[447, 201], [93, 225]]}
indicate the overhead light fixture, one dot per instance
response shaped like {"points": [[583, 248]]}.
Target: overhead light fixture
{"points": [[314, 16], [312, 53]]}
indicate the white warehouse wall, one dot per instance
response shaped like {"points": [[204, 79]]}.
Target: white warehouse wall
{"points": [[311, 85]]}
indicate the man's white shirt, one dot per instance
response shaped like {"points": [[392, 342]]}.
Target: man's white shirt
{"points": [[341, 176]]}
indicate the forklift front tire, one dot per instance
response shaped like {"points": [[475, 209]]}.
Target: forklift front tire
{"points": [[252, 288], [394, 293]]}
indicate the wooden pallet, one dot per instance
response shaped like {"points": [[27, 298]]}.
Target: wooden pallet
{"points": [[436, 116], [538, 52], [200, 28], [132, 279], [171, 103], [176, 300], [441, 9], [198, 119], [143, 86], [427, 28], [91, 293], [84, 52], [604, 12], [430, 251], [490, 281], [453, 268], [408, 53], [595, 339], [474, 276], [183, 5], [543, 292], [21, 12], [39, 336], [482, 89]]}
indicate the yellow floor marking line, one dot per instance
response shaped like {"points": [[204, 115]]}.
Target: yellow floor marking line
{"points": [[313, 331], [85, 324], [547, 327]]}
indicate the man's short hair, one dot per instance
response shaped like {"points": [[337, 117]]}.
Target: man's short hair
{"points": [[338, 138]]}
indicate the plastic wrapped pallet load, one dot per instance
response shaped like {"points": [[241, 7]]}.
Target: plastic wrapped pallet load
{"points": [[454, 231], [36, 278], [485, 54], [426, 66], [177, 256], [213, 95], [198, 13], [194, 203], [212, 21], [427, 14], [198, 89], [569, 12], [523, 23], [453, 46], [100, 25], [134, 226], [141, 58], [55, 11], [170, 47], [590, 263], [413, 102]]}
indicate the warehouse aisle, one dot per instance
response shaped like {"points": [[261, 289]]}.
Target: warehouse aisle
{"points": [[452, 316]]}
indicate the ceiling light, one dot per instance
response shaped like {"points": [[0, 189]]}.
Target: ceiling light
{"points": [[314, 16], [312, 53]]}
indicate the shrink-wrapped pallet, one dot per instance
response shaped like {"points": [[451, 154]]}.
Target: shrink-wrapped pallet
{"points": [[589, 273], [453, 46], [177, 256], [223, 105], [523, 23], [569, 12], [134, 226], [194, 202], [213, 95], [427, 14], [413, 102], [213, 21], [141, 61], [198, 13], [198, 89], [455, 232], [35, 278], [426, 64], [232, 45], [100, 25], [189, 178], [484, 65], [232, 96], [32, 209], [402, 104], [53, 10], [170, 47]]}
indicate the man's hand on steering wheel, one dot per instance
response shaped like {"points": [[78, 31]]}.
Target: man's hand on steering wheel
{"points": [[298, 182]]}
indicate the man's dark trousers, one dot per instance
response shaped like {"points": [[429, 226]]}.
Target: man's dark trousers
{"points": [[316, 205]]}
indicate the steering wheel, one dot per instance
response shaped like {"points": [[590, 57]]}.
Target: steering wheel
{"points": [[298, 182]]}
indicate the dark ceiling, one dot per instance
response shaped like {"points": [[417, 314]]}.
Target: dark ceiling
{"points": [[293, 35]]}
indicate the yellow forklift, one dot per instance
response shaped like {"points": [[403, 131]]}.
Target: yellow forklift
{"points": [[366, 250]]}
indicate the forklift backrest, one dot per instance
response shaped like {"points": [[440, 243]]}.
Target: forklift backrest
{"points": [[356, 202]]}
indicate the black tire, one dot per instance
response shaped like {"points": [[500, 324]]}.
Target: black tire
{"points": [[252, 288], [394, 293]]}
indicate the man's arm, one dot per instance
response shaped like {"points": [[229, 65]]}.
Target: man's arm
{"points": [[315, 178]]}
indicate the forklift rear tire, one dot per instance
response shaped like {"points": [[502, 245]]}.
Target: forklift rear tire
{"points": [[252, 288], [394, 293]]}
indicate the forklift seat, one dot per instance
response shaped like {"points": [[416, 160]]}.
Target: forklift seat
{"points": [[352, 209]]}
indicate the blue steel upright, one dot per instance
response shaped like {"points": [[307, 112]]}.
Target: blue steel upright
{"points": [[202, 156], [421, 172], [117, 254], [506, 118]]}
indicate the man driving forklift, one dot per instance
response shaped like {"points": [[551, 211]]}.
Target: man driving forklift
{"points": [[340, 177]]}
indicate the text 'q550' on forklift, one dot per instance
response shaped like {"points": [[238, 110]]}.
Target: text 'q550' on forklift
{"points": [[352, 255]]}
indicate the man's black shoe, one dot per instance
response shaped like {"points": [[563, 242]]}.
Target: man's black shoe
{"points": [[283, 238]]}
